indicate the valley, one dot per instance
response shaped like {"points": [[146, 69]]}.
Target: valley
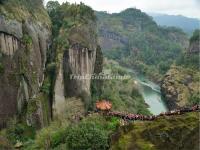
{"points": [[44, 105]]}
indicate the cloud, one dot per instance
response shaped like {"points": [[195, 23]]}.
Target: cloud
{"points": [[190, 8], [197, 3]]}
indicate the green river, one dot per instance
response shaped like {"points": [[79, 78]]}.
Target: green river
{"points": [[150, 92]]}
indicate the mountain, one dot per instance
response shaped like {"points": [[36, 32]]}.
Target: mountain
{"points": [[180, 84], [134, 39], [53, 72], [188, 25]]}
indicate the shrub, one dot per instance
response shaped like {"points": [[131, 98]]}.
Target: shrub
{"points": [[27, 39], [195, 99], [46, 87], [19, 132], [113, 124], [50, 137], [87, 136]]}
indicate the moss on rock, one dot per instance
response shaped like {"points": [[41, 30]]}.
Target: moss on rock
{"points": [[165, 133]]}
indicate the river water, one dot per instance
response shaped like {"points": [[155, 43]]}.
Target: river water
{"points": [[150, 92]]}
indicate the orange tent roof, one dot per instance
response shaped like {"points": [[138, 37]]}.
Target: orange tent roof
{"points": [[103, 105]]}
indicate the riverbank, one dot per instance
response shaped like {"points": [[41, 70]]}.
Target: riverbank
{"points": [[150, 91]]}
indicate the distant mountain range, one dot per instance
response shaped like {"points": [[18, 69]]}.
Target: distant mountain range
{"points": [[188, 25]]}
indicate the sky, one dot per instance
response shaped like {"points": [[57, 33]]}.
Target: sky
{"points": [[189, 8]]}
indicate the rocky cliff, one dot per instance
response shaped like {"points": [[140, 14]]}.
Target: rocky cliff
{"points": [[24, 40], [77, 64], [80, 59], [180, 85], [76, 49]]}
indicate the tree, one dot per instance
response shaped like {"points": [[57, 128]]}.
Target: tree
{"points": [[52, 6], [56, 17]]}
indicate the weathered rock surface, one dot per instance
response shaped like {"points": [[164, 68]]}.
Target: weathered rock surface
{"points": [[79, 61], [12, 27], [23, 46], [9, 44], [179, 86]]}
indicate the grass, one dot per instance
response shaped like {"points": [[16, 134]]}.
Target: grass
{"points": [[175, 132]]}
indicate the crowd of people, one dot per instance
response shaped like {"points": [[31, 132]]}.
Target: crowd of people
{"points": [[129, 116]]}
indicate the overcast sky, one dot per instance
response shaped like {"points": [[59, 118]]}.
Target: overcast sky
{"points": [[190, 8]]}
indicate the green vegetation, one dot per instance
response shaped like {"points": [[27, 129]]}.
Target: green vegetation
{"points": [[195, 36], [123, 94], [190, 59], [32, 106], [68, 15], [16, 132], [22, 9], [149, 48], [90, 133], [87, 136], [183, 78], [46, 87], [143, 45], [70, 23], [195, 99], [177, 132], [27, 39], [49, 137]]}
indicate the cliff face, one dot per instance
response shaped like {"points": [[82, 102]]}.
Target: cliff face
{"points": [[76, 54], [79, 60], [24, 41], [180, 85]]}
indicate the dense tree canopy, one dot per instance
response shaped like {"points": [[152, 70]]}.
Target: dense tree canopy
{"points": [[68, 14], [151, 49], [195, 36]]}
